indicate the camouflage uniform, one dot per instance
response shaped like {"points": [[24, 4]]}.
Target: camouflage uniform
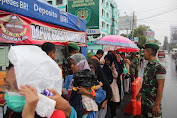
{"points": [[153, 71]]}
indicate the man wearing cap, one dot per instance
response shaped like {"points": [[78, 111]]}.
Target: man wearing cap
{"points": [[73, 48], [153, 83]]}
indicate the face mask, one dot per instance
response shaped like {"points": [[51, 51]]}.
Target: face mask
{"points": [[15, 101]]}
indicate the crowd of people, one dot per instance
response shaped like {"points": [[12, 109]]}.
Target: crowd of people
{"points": [[90, 89]]}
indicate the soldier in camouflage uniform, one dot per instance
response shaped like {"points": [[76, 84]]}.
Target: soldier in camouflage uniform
{"points": [[153, 83]]}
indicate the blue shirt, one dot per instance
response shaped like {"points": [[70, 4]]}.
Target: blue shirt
{"points": [[73, 113], [100, 97], [67, 81]]}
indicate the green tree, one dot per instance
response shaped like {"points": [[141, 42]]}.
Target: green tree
{"points": [[139, 32], [141, 29], [141, 41]]}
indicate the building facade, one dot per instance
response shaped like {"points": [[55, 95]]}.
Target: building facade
{"points": [[61, 4], [101, 17], [109, 16]]}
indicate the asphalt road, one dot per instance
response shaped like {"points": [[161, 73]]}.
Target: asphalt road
{"points": [[169, 103]]}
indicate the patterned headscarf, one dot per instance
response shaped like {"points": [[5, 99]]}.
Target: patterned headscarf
{"points": [[80, 61]]}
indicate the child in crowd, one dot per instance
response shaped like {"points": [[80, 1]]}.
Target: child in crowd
{"points": [[88, 80]]}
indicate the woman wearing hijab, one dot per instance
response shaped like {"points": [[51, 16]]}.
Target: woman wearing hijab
{"points": [[95, 67], [111, 72], [119, 68], [79, 62]]}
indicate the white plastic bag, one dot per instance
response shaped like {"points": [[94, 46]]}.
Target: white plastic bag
{"points": [[48, 110], [34, 67]]}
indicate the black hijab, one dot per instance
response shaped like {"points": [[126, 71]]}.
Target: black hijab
{"points": [[101, 77], [107, 70]]}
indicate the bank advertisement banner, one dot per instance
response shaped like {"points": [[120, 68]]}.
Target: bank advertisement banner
{"points": [[173, 35], [19, 29], [149, 35], [88, 10], [43, 11]]}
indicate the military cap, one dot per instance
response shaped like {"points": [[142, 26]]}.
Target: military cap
{"points": [[152, 46], [75, 46]]}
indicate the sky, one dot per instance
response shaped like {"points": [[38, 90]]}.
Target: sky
{"points": [[158, 14]]}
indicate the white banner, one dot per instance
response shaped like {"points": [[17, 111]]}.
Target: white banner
{"points": [[125, 22]]}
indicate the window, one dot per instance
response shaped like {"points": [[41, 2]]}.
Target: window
{"points": [[103, 12], [107, 15], [107, 5], [107, 26], [50, 2], [59, 2], [103, 24], [103, 2]]}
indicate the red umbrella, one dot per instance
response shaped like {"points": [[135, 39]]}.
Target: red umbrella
{"points": [[128, 50]]}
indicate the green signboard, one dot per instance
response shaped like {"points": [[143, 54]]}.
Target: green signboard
{"points": [[86, 9]]}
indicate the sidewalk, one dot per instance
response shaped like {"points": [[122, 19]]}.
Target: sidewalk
{"points": [[126, 101], [123, 105]]}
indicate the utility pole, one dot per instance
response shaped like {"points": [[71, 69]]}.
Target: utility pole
{"points": [[127, 28], [133, 22]]}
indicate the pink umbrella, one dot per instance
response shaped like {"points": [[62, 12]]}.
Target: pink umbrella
{"points": [[120, 49], [116, 40]]}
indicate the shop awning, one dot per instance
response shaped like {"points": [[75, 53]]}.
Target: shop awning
{"points": [[19, 29], [42, 11]]}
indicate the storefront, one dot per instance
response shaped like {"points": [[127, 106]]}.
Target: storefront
{"points": [[35, 22]]}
